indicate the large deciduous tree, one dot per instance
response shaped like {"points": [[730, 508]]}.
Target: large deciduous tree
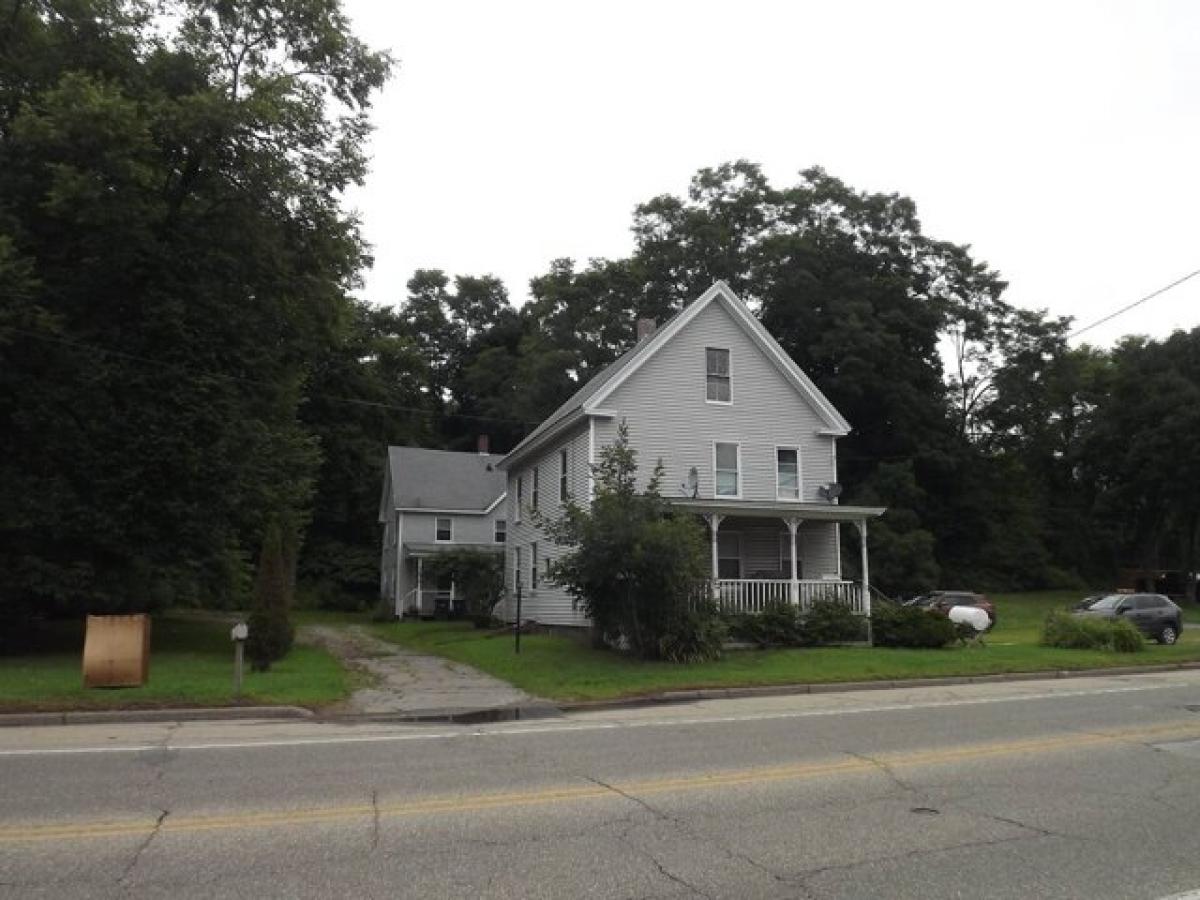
{"points": [[174, 255]]}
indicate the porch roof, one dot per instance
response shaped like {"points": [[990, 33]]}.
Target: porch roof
{"points": [[780, 509], [415, 549]]}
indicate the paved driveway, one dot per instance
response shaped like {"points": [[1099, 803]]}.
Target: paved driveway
{"points": [[403, 681]]}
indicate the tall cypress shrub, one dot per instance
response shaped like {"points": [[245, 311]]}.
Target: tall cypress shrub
{"points": [[271, 631]]}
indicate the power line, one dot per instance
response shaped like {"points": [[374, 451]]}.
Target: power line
{"points": [[1125, 309], [354, 401]]}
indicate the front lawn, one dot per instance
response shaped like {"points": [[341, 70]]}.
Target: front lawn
{"points": [[563, 668], [191, 664]]}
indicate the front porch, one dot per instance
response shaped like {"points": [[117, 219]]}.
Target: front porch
{"points": [[766, 553], [433, 596]]}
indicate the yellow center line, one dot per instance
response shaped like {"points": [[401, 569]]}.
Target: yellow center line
{"points": [[707, 781]]}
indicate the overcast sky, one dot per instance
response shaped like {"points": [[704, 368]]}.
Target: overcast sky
{"points": [[1061, 140]]}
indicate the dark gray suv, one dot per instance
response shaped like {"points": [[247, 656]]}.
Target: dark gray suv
{"points": [[1153, 614]]}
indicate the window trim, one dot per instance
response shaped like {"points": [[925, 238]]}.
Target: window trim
{"points": [[437, 520], [728, 377], [564, 466], [500, 527], [799, 477], [716, 492]]}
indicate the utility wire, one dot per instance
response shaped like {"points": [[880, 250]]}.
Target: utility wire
{"points": [[354, 401], [1125, 309]]}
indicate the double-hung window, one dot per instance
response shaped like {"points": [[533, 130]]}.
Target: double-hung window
{"points": [[444, 529], [500, 532], [516, 568], [533, 502], [716, 366], [728, 478], [562, 476], [533, 564], [787, 473], [520, 498]]}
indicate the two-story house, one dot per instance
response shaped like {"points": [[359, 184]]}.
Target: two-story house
{"points": [[433, 501], [748, 443]]}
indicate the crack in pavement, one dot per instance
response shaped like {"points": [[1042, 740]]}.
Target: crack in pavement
{"points": [[374, 820], [889, 772], [685, 829], [137, 854]]}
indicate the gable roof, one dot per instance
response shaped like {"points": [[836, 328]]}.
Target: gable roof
{"points": [[586, 401], [442, 480]]}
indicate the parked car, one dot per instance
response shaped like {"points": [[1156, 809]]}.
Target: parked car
{"points": [[1152, 614], [944, 601]]}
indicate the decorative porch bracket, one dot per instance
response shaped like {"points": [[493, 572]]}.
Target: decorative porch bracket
{"points": [[793, 526], [714, 525]]}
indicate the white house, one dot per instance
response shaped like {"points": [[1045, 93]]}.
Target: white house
{"points": [[747, 442], [433, 501]]}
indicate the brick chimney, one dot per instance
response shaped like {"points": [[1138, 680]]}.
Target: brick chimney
{"points": [[645, 328], [481, 444]]}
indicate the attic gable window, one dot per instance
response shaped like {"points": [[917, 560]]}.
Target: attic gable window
{"points": [[716, 366]]}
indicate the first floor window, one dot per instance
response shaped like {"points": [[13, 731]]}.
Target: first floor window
{"points": [[787, 473], [533, 564], [533, 503], [500, 534], [786, 549], [729, 555], [727, 470], [517, 569], [445, 529], [562, 476]]}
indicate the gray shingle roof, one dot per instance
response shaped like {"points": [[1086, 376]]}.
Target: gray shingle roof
{"points": [[443, 479]]}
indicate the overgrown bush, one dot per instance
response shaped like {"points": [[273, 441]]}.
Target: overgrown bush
{"points": [[1090, 633], [780, 624], [692, 635], [478, 578], [910, 626], [830, 622], [270, 626]]}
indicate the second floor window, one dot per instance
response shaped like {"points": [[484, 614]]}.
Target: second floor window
{"points": [[726, 458], [520, 499], [533, 502], [716, 364], [445, 529], [787, 473], [501, 531], [562, 476]]}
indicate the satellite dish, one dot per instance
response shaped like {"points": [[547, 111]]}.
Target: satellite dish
{"points": [[830, 491], [691, 487]]}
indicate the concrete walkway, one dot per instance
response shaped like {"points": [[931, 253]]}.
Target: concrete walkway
{"points": [[404, 681]]}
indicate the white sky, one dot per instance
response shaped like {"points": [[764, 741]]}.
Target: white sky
{"points": [[1060, 139]]}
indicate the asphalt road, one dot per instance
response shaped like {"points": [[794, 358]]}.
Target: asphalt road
{"points": [[1084, 788]]}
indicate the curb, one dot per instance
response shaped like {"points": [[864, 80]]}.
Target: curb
{"points": [[837, 687], [131, 716]]}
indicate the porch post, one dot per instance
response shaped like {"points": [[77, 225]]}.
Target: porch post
{"points": [[793, 525], [714, 525], [420, 596], [866, 576]]}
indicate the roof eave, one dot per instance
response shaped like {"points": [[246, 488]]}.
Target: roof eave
{"points": [[523, 449]]}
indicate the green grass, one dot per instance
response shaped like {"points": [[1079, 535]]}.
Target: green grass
{"points": [[191, 664], [564, 668]]}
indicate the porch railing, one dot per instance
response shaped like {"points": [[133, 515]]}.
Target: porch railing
{"points": [[754, 595]]}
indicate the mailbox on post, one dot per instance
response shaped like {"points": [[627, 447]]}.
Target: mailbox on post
{"points": [[238, 634]]}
